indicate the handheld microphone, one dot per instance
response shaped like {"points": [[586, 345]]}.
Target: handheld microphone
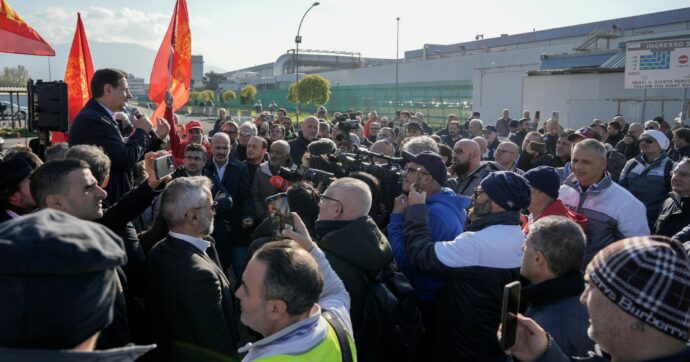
{"points": [[279, 183]]}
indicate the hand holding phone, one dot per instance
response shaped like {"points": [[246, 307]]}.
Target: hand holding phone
{"points": [[163, 166], [509, 312], [279, 214]]}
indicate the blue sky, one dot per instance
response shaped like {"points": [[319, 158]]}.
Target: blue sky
{"points": [[232, 34]]}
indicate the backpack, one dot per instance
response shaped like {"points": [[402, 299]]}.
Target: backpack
{"points": [[391, 321]]}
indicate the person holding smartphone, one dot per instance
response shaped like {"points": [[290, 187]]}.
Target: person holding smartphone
{"points": [[477, 265]]}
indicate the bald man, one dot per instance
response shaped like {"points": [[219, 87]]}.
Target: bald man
{"points": [[353, 244], [308, 133], [468, 168], [382, 146], [506, 156], [481, 141], [231, 177], [278, 156]]}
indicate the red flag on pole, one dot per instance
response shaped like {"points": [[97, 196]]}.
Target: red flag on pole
{"points": [[172, 68], [16, 36], [77, 76]]}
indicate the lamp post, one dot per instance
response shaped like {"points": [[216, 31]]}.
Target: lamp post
{"points": [[397, 60], [298, 39]]}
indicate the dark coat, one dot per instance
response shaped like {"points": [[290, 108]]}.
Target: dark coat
{"points": [[228, 231], [674, 215], [354, 251], [677, 154], [630, 151], [555, 305], [471, 302], [93, 125], [298, 147], [190, 299]]}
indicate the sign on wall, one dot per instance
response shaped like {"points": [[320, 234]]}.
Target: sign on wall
{"points": [[657, 64]]}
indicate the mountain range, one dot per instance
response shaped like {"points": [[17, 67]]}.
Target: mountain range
{"points": [[131, 58]]}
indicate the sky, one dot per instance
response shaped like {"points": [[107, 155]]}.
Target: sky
{"points": [[233, 34]]}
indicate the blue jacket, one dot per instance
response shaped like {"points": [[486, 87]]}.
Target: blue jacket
{"points": [[447, 218]]}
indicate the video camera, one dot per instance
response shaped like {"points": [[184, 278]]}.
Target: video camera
{"points": [[320, 179], [389, 173]]}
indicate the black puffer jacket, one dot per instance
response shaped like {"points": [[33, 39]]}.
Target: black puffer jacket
{"points": [[355, 250]]}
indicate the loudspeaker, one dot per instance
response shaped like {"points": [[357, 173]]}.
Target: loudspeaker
{"points": [[48, 106]]}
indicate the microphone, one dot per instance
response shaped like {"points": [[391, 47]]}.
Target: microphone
{"points": [[279, 183], [134, 112]]}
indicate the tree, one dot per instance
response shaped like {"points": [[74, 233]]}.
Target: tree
{"points": [[194, 97], [313, 89], [248, 94], [212, 79], [14, 76], [228, 96]]}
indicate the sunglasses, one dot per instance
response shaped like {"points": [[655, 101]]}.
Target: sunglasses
{"points": [[648, 141]]}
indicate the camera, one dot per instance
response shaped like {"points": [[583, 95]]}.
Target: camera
{"points": [[317, 177]]}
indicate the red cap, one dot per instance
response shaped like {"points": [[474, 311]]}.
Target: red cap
{"points": [[278, 182], [193, 124]]}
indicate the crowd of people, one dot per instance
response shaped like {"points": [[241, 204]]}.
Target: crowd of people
{"points": [[401, 238]]}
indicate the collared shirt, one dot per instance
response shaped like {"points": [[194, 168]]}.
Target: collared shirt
{"points": [[200, 244], [220, 171], [111, 113], [12, 214]]}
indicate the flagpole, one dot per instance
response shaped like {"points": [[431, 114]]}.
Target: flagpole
{"points": [[172, 44]]}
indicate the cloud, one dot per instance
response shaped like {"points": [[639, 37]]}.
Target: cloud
{"points": [[121, 25]]}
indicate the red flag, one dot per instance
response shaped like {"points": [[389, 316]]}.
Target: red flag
{"points": [[173, 65], [16, 36], [77, 76]]}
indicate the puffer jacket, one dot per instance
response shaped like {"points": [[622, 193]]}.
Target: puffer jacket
{"points": [[354, 251], [650, 182], [447, 218], [612, 212], [477, 265]]}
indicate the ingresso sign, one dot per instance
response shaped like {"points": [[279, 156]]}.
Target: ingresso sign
{"points": [[657, 64]]}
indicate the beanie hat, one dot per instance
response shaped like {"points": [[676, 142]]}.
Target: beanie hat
{"points": [[60, 281], [432, 162], [508, 189], [648, 278], [544, 179], [659, 137]]}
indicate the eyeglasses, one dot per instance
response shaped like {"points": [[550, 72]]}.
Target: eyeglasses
{"points": [[323, 199], [246, 134], [230, 132], [477, 192], [649, 128], [458, 152], [411, 169], [648, 141]]}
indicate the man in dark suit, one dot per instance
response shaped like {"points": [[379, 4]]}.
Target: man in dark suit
{"points": [[95, 124], [190, 298], [15, 197], [231, 177]]}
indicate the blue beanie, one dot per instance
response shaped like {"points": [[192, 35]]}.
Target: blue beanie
{"points": [[508, 189], [544, 179]]}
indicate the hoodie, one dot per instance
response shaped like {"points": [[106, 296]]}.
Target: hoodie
{"points": [[447, 218], [557, 208]]}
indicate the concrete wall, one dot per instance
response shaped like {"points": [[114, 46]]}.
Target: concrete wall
{"points": [[582, 97]]}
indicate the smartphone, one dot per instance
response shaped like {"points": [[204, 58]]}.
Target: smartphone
{"points": [[509, 312], [279, 214], [163, 166], [536, 115], [419, 180], [555, 115], [538, 147]]}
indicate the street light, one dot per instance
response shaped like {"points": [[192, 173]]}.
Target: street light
{"points": [[298, 39], [397, 60]]}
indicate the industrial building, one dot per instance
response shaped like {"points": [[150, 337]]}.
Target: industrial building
{"points": [[576, 70]]}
